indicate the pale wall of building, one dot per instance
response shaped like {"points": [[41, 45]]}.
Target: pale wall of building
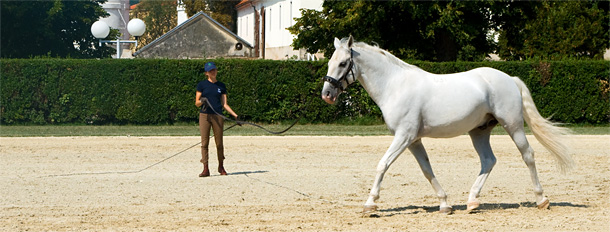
{"points": [[279, 15]]}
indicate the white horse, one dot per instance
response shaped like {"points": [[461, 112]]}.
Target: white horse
{"points": [[417, 104]]}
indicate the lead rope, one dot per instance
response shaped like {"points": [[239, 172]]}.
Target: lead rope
{"points": [[135, 171], [238, 122], [228, 128]]}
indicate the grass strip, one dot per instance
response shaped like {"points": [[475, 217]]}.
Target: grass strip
{"points": [[193, 130]]}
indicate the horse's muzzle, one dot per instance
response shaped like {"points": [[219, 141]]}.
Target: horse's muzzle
{"points": [[329, 91], [329, 100], [329, 97]]}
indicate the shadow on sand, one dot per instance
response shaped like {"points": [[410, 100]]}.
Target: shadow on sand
{"points": [[238, 173], [482, 208], [245, 173]]}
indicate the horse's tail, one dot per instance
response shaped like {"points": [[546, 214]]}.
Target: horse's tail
{"points": [[545, 131]]}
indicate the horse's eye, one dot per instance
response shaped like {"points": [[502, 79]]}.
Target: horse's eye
{"points": [[343, 64]]}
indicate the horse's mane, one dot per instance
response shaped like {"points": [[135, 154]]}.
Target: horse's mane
{"points": [[388, 56]]}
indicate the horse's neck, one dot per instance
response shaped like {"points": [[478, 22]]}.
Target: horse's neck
{"points": [[379, 76]]}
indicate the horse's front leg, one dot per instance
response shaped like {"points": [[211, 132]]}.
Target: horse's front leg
{"points": [[418, 150], [399, 144]]}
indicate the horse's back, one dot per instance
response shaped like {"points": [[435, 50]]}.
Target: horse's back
{"points": [[498, 87], [463, 101], [474, 88]]}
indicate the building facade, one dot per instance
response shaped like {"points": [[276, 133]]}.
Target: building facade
{"points": [[264, 23]]}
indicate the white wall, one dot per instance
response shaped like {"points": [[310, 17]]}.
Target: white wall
{"points": [[279, 15], [181, 12], [245, 23], [315, 5]]}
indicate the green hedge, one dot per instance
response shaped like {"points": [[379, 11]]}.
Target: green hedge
{"points": [[142, 91]]}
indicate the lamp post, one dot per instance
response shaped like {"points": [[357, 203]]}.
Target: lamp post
{"points": [[135, 27]]}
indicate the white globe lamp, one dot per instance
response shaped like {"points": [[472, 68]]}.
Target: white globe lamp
{"points": [[136, 27], [100, 30]]}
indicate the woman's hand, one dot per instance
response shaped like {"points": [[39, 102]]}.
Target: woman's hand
{"points": [[239, 123]]}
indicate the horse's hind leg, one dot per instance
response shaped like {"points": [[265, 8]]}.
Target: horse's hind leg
{"points": [[480, 140], [517, 133], [418, 150]]}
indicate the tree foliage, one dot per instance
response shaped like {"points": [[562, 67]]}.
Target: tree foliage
{"points": [[223, 11], [461, 30], [59, 28], [432, 30], [159, 16], [553, 29]]}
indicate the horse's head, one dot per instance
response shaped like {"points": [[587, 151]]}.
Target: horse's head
{"points": [[340, 70]]}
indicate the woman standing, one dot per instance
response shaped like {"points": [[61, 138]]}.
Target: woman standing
{"points": [[216, 94]]}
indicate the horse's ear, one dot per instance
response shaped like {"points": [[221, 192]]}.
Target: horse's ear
{"points": [[337, 43], [350, 41]]}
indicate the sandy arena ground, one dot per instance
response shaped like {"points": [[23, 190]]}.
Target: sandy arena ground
{"points": [[290, 183]]}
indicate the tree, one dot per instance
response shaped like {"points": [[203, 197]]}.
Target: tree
{"points": [[159, 16], [462, 30], [436, 30], [510, 19], [454, 30], [59, 28], [557, 30], [568, 29], [223, 11]]}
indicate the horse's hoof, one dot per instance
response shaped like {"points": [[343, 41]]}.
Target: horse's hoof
{"points": [[369, 209], [446, 210], [544, 204], [472, 205]]}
